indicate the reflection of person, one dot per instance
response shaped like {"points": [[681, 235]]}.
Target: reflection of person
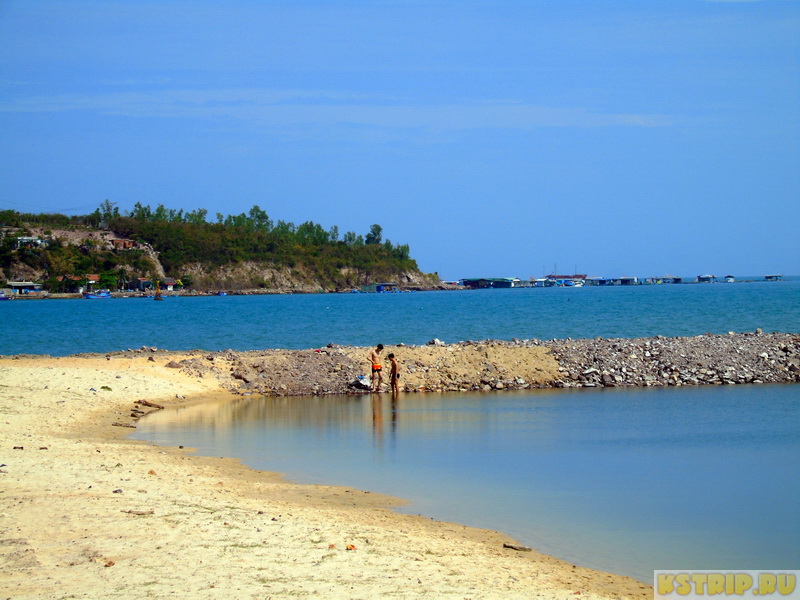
{"points": [[394, 374], [377, 419], [375, 360]]}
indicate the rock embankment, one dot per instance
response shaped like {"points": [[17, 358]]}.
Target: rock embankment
{"points": [[661, 361], [512, 365]]}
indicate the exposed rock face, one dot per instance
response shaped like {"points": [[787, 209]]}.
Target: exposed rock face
{"points": [[251, 277], [515, 365], [242, 276], [21, 272]]}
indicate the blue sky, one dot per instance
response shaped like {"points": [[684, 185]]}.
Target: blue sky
{"points": [[496, 138]]}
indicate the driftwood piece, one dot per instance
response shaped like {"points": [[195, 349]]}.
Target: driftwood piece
{"points": [[139, 513], [150, 404], [517, 547], [118, 424]]}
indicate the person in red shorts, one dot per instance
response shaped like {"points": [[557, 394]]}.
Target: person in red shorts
{"points": [[375, 361]]}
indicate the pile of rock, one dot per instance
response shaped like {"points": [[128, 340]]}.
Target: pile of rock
{"points": [[279, 372], [701, 360], [513, 365]]}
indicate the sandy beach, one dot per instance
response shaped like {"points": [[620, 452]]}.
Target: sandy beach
{"points": [[87, 513]]}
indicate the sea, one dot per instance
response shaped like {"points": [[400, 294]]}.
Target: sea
{"points": [[623, 480], [297, 321]]}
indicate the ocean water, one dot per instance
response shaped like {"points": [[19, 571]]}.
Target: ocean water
{"points": [[621, 480], [61, 327]]}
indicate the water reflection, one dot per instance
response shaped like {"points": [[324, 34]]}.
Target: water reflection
{"points": [[425, 415], [622, 480], [378, 402]]}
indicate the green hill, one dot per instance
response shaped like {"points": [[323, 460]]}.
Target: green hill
{"points": [[245, 251]]}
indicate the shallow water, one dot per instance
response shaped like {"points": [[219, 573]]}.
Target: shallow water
{"points": [[61, 327], [621, 480]]}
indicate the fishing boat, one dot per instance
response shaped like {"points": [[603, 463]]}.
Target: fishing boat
{"points": [[97, 295], [4, 297]]}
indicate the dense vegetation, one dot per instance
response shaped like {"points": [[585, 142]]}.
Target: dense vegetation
{"points": [[185, 240]]}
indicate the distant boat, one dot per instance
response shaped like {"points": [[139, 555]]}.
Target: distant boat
{"points": [[222, 293], [4, 297], [97, 295]]}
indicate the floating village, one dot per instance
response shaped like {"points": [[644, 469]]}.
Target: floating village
{"points": [[553, 280], [144, 287], [582, 280]]}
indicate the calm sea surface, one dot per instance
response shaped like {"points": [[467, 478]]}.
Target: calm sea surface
{"points": [[623, 480], [60, 327]]}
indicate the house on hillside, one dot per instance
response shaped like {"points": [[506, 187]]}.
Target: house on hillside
{"points": [[120, 244], [170, 284], [71, 283], [29, 242], [25, 287], [140, 284]]}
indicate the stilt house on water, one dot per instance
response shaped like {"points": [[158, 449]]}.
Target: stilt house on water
{"points": [[491, 282], [380, 287]]}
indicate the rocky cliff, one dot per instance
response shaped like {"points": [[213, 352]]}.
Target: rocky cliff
{"points": [[253, 276]]}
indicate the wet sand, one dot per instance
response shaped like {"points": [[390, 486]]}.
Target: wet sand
{"points": [[87, 513]]}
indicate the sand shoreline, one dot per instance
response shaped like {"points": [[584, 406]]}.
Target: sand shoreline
{"points": [[88, 513]]}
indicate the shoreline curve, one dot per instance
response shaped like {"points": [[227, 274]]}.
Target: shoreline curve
{"points": [[90, 513]]}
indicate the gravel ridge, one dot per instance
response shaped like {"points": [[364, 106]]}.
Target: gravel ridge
{"points": [[709, 359]]}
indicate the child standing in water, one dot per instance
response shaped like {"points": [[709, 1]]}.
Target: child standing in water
{"points": [[394, 374]]}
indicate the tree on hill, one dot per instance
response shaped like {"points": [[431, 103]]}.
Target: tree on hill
{"points": [[183, 238]]}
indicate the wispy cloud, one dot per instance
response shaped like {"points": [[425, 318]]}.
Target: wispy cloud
{"points": [[287, 108]]}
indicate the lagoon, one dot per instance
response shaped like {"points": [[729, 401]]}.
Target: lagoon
{"points": [[621, 480]]}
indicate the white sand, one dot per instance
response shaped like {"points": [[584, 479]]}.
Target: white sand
{"points": [[210, 528]]}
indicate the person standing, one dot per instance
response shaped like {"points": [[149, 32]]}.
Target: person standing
{"points": [[394, 374], [375, 361]]}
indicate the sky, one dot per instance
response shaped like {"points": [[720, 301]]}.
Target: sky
{"points": [[495, 138]]}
